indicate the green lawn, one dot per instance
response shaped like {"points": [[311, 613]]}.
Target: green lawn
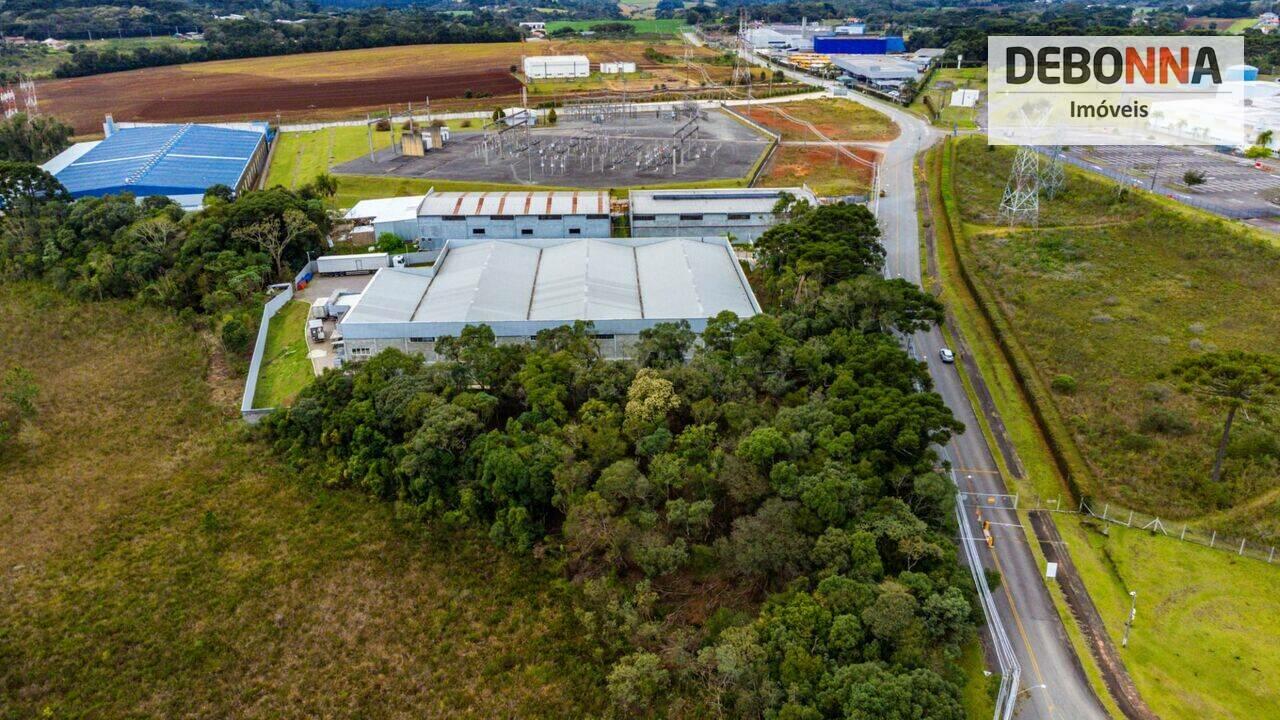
{"points": [[285, 366], [952, 79], [301, 156], [158, 562], [643, 27], [1204, 641], [1111, 291]]}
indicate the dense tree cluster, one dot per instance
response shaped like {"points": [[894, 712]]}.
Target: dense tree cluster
{"points": [[754, 519], [32, 139], [212, 263]]}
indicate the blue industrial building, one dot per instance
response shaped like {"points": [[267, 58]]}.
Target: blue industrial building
{"points": [[178, 161], [858, 45]]}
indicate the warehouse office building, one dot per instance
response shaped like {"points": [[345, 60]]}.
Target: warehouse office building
{"points": [[545, 67], [888, 73], [743, 213], [520, 287], [177, 161], [444, 216]]}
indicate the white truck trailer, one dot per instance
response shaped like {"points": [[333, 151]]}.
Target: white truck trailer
{"points": [[352, 264]]}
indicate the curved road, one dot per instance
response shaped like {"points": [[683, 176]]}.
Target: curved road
{"points": [[1054, 686]]}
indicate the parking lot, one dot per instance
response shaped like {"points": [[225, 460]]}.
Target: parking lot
{"points": [[1232, 186], [321, 353]]}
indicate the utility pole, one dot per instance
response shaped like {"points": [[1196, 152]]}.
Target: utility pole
{"points": [[1133, 612], [1155, 174]]}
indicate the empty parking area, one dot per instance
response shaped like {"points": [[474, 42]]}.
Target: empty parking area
{"points": [[1231, 184]]}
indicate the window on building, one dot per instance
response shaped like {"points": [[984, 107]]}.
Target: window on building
{"points": [[642, 218], [526, 231], [605, 336], [690, 217], [453, 218], [501, 217], [477, 231], [427, 339], [549, 217], [360, 352], [575, 231], [597, 217], [739, 216]]}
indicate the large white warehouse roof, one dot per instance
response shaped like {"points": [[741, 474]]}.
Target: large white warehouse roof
{"points": [[552, 282]]}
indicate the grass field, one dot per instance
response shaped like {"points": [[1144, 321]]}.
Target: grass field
{"points": [[156, 562], [825, 171], [943, 82], [1203, 644], [1110, 292], [837, 119], [1195, 604], [642, 27], [285, 366]]}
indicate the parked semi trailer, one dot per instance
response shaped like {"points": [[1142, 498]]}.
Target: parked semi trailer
{"points": [[355, 264]]}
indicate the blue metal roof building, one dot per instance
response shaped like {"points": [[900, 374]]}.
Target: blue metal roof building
{"points": [[858, 45], [180, 161]]}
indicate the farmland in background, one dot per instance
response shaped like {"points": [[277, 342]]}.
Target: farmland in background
{"points": [[337, 84]]}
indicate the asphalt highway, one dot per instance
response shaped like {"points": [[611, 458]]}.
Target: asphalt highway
{"points": [[1053, 685]]}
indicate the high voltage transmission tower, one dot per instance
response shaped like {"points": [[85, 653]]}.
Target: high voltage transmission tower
{"points": [[1020, 204], [1052, 176], [741, 52]]}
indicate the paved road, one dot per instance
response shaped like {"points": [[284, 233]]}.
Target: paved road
{"points": [[1053, 686]]}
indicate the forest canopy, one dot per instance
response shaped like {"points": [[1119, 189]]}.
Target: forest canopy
{"points": [[760, 530]]}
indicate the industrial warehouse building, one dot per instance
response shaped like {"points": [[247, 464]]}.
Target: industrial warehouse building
{"points": [[395, 215], [879, 70], [743, 213], [544, 67], [446, 216], [178, 161], [858, 45], [520, 287]]}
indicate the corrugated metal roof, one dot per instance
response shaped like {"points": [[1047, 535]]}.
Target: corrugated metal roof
{"points": [[515, 203], [161, 159], [540, 280], [753, 200], [381, 210]]}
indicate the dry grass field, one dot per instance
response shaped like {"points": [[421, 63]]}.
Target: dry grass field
{"points": [[155, 561], [839, 120], [824, 170]]}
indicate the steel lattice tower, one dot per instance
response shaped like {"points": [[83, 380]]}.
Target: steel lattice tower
{"points": [[1052, 176], [742, 51], [1021, 201]]}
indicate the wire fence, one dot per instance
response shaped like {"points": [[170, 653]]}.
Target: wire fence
{"points": [[1182, 531]]}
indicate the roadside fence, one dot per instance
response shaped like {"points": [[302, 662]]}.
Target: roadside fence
{"points": [[1178, 530]]}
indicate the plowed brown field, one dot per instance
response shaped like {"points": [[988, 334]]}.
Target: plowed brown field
{"points": [[298, 86], [316, 85]]}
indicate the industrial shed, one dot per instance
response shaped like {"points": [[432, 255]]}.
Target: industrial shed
{"points": [[543, 67], [396, 215], [880, 70], [444, 216], [743, 213], [179, 161], [520, 287], [858, 45]]}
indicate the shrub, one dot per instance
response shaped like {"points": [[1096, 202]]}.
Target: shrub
{"points": [[236, 336], [1164, 421], [1064, 384]]}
